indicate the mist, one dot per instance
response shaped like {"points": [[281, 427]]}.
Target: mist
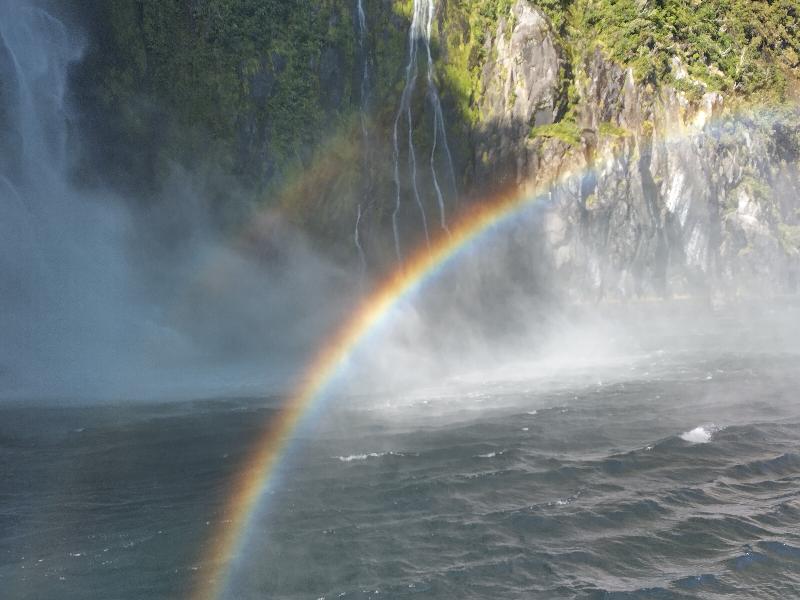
{"points": [[106, 297], [497, 320], [594, 396]]}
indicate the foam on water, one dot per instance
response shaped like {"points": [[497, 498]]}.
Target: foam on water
{"points": [[699, 435], [491, 454], [368, 455]]}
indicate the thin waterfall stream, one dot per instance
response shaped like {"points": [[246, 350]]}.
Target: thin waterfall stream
{"points": [[420, 31], [360, 207]]}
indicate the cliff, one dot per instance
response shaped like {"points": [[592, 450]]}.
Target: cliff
{"points": [[676, 114], [683, 190]]}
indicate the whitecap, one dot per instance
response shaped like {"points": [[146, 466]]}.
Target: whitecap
{"points": [[491, 454], [358, 457], [699, 435], [353, 457]]}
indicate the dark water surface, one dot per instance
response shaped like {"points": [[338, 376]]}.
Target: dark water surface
{"points": [[674, 475]]}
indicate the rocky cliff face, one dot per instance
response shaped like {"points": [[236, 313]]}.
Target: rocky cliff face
{"points": [[675, 188], [523, 88], [671, 196]]}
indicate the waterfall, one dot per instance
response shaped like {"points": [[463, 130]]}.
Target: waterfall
{"points": [[420, 32], [62, 267], [438, 124], [362, 45], [414, 33]]}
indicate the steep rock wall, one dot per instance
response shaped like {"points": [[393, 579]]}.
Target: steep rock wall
{"points": [[681, 190], [675, 196]]}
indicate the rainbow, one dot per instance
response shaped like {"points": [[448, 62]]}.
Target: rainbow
{"points": [[258, 472]]}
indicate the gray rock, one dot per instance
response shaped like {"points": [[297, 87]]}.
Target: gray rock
{"points": [[674, 196]]}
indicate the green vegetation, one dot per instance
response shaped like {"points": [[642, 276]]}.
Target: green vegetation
{"points": [[748, 50], [612, 130], [738, 46], [467, 28], [213, 68], [566, 131], [254, 86], [790, 238]]}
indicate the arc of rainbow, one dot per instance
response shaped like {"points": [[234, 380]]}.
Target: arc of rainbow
{"points": [[257, 473]]}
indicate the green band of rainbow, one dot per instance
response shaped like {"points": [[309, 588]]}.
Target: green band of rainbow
{"points": [[258, 471], [255, 475]]}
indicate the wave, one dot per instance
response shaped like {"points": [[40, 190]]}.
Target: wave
{"points": [[491, 454], [782, 465], [367, 456], [701, 434]]}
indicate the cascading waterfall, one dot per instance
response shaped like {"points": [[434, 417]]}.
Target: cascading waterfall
{"points": [[405, 108], [362, 44], [94, 290], [357, 239], [62, 266], [420, 32], [438, 123]]}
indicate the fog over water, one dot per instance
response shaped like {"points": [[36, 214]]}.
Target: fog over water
{"points": [[97, 302], [487, 439], [106, 297]]}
